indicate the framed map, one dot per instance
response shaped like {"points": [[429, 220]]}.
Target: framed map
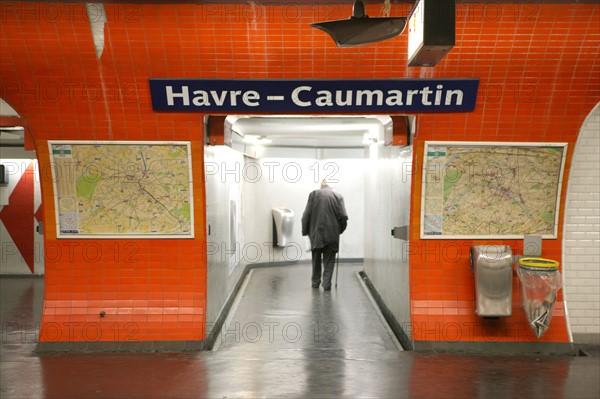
{"points": [[116, 189], [491, 190]]}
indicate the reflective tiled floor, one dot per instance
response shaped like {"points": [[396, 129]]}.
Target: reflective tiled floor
{"points": [[283, 339]]}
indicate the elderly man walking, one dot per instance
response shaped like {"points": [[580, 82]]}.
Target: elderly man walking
{"points": [[323, 220]]}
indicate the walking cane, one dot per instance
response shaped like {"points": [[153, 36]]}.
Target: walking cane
{"points": [[337, 268]]}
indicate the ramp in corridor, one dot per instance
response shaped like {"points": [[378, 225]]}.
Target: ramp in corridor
{"points": [[277, 309]]}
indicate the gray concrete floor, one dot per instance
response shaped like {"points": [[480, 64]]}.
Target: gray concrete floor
{"points": [[283, 339]]}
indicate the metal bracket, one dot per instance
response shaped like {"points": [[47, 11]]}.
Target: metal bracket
{"points": [[532, 247]]}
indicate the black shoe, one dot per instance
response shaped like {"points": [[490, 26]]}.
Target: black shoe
{"points": [[315, 286], [327, 288]]}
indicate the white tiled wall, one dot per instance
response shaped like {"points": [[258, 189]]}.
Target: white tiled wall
{"points": [[223, 181], [387, 195], [581, 259], [288, 186]]}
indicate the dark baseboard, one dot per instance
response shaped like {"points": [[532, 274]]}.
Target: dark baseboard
{"points": [[213, 332], [586, 338], [397, 329], [120, 346], [352, 260], [298, 262], [497, 348]]}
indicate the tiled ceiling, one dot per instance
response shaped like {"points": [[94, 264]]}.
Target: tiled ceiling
{"points": [[539, 62]]}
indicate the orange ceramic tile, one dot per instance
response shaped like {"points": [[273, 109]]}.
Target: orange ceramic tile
{"points": [[552, 48]]}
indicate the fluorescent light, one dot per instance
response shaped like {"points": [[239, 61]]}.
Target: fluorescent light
{"points": [[369, 138], [256, 140]]}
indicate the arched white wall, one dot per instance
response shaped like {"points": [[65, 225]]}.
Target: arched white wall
{"points": [[581, 254], [12, 261]]}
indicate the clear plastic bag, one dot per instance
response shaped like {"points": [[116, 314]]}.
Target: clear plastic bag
{"points": [[540, 283]]}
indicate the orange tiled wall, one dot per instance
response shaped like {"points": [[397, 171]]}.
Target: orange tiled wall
{"points": [[539, 72], [538, 83], [148, 289]]}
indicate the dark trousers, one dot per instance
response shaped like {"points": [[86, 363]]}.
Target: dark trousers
{"points": [[328, 255]]}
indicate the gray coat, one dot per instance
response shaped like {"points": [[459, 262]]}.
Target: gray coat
{"points": [[324, 218]]}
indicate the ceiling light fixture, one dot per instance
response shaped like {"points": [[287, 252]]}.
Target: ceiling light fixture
{"points": [[360, 29], [369, 138], [256, 140]]}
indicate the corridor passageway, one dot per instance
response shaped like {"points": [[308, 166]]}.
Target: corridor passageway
{"points": [[278, 310]]}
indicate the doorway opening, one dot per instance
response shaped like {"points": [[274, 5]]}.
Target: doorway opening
{"points": [[255, 164]]}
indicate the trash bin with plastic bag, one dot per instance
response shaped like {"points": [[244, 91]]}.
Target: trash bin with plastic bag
{"points": [[540, 283]]}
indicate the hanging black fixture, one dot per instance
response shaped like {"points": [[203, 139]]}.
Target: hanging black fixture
{"points": [[360, 29]]}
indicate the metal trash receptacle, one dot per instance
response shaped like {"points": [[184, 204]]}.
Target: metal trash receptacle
{"points": [[283, 226], [540, 282], [492, 267]]}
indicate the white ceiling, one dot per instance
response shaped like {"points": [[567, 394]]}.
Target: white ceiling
{"points": [[309, 131]]}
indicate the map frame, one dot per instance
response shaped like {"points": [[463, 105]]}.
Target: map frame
{"points": [[479, 145], [158, 235]]}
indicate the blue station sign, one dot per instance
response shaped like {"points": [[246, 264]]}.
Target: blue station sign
{"points": [[314, 95]]}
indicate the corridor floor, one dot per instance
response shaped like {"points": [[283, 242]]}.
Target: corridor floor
{"points": [[282, 339]]}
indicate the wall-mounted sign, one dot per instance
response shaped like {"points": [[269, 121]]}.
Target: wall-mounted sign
{"points": [[479, 190], [122, 189], [431, 31], [314, 96]]}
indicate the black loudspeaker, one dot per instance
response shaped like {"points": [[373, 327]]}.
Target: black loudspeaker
{"points": [[360, 29]]}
